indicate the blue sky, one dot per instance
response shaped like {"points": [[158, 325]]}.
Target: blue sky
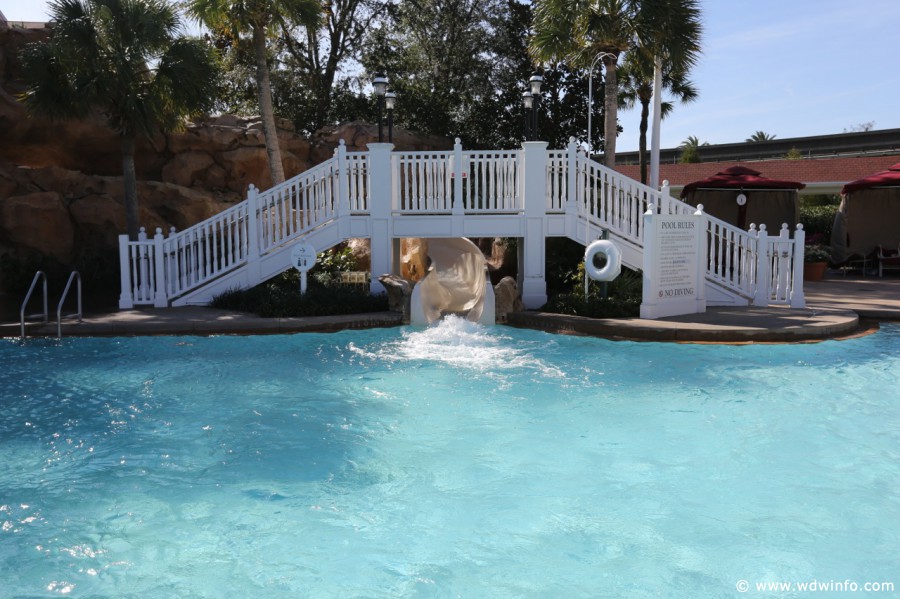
{"points": [[791, 68]]}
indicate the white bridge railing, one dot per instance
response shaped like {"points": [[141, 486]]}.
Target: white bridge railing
{"points": [[473, 184]]}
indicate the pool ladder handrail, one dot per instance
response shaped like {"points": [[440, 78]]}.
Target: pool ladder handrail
{"points": [[77, 276], [38, 275]]}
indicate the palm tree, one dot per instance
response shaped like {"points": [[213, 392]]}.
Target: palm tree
{"points": [[760, 136], [668, 36], [691, 149], [126, 59], [259, 18], [637, 88], [577, 32]]}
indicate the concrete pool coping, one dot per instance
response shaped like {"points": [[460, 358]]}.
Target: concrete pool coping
{"points": [[836, 308]]}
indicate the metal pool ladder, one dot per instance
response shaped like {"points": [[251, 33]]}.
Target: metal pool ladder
{"points": [[76, 276], [37, 276]]}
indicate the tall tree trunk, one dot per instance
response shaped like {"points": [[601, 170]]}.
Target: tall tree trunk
{"points": [[610, 105], [267, 112], [129, 181], [642, 139]]}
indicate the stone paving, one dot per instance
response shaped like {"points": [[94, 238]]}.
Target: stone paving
{"points": [[836, 307]]}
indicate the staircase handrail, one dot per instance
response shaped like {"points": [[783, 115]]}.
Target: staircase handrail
{"points": [[731, 250], [75, 275], [37, 276], [283, 220]]}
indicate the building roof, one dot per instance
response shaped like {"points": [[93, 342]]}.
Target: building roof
{"points": [[853, 143], [820, 175]]}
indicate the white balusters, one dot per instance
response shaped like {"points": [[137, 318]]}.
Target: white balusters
{"points": [[475, 183]]}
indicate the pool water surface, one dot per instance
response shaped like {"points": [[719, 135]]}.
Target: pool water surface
{"points": [[453, 461]]}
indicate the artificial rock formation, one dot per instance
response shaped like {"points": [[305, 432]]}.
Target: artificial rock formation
{"points": [[507, 298], [61, 193]]}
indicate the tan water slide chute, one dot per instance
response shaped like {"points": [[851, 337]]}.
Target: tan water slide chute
{"points": [[456, 283]]}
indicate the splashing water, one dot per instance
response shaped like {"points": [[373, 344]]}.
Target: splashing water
{"points": [[457, 342]]}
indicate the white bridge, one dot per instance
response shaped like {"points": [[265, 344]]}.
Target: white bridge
{"points": [[531, 194]]}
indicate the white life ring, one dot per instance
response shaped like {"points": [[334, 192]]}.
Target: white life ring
{"points": [[613, 260]]}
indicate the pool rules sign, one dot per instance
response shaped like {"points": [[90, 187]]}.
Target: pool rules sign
{"points": [[674, 256]]}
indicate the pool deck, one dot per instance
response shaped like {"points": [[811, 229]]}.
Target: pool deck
{"points": [[836, 307]]}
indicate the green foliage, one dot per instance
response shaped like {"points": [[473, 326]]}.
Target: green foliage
{"points": [[280, 297], [124, 56], [816, 253], [457, 67], [565, 259], [760, 136], [689, 155], [325, 296], [330, 264], [127, 60], [623, 297], [818, 222], [794, 154], [832, 199]]}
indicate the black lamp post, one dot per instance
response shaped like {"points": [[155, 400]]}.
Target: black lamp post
{"points": [[528, 103], [380, 83], [531, 99], [390, 99]]}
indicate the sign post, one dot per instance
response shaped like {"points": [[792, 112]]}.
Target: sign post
{"points": [[303, 257], [674, 257]]}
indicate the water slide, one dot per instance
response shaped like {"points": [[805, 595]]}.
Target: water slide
{"points": [[456, 283]]}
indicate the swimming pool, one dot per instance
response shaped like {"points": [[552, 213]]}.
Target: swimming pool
{"points": [[451, 461]]}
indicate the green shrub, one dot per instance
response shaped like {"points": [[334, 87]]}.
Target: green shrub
{"points": [[623, 297], [818, 222], [280, 297]]}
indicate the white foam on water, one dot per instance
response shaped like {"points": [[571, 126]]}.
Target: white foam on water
{"points": [[459, 343]]}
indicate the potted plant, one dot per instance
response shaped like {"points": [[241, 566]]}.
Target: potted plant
{"points": [[816, 259]]}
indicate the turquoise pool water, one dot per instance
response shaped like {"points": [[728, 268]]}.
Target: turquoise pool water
{"points": [[455, 461]]}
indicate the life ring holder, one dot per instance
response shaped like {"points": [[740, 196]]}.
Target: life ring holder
{"points": [[613, 265]]}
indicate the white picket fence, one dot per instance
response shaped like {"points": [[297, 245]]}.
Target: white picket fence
{"points": [[571, 194]]}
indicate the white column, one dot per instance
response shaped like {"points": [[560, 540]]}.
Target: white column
{"points": [[657, 117], [572, 188], [160, 299], [665, 199], [381, 199], [651, 276], [254, 241], [534, 187], [798, 297], [763, 269], [126, 300], [342, 188], [458, 173]]}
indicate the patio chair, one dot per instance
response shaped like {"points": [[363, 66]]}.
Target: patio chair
{"points": [[860, 262], [888, 259]]}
